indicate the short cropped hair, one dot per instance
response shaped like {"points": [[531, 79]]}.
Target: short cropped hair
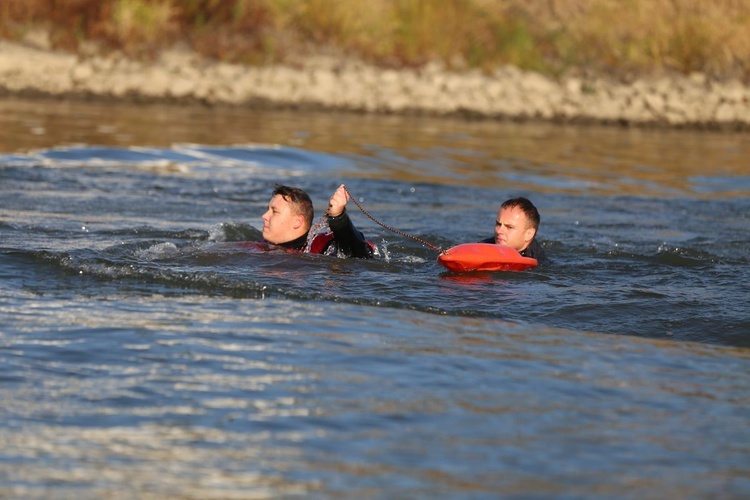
{"points": [[300, 201], [526, 207]]}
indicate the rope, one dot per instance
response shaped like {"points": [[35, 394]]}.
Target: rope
{"points": [[389, 228]]}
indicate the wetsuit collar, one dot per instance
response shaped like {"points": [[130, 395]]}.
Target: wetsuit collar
{"points": [[298, 244]]}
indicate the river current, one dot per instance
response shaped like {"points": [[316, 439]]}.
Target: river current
{"points": [[146, 353]]}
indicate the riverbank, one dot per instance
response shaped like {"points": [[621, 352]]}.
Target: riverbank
{"points": [[331, 83]]}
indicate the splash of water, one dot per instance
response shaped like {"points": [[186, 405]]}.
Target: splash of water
{"points": [[320, 227], [386, 253], [157, 251], [217, 233]]}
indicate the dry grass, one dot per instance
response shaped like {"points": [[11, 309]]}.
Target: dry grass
{"points": [[616, 36]]}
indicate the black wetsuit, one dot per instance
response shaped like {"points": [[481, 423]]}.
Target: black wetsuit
{"points": [[345, 239], [534, 250]]}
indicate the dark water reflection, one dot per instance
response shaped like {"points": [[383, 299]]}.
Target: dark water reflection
{"points": [[144, 353]]}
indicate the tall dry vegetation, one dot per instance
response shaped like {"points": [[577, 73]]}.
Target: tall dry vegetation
{"points": [[616, 36]]}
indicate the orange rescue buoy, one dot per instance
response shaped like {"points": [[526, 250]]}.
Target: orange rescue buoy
{"points": [[484, 257]]}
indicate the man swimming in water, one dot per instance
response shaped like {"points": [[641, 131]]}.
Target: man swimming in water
{"points": [[289, 218], [516, 226]]}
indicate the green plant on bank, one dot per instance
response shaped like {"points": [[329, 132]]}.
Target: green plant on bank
{"points": [[142, 20], [615, 36]]}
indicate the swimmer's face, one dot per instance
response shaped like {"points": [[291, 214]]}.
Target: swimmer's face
{"points": [[281, 222], [513, 228]]}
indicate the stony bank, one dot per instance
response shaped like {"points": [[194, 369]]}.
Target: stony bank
{"points": [[344, 85]]}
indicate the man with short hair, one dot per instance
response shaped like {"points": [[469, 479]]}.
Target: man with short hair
{"points": [[289, 218], [516, 226]]}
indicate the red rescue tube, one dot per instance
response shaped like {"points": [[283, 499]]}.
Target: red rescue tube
{"points": [[484, 257]]}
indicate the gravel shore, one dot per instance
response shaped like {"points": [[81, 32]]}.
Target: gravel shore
{"points": [[333, 84]]}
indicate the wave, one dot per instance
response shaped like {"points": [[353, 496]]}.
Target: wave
{"points": [[186, 159]]}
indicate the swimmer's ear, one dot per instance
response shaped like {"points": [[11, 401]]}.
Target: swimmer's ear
{"points": [[298, 221], [529, 234]]}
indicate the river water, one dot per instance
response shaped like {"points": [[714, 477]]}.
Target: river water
{"points": [[144, 353]]}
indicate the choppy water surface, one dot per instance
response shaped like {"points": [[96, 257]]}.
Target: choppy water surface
{"points": [[144, 353]]}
